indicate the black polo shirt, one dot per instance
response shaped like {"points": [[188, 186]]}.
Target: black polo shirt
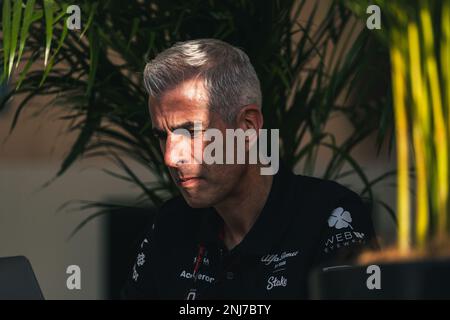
{"points": [[305, 222]]}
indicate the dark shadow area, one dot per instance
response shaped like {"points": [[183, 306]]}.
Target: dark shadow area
{"points": [[124, 230]]}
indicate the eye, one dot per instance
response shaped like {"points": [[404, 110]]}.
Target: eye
{"points": [[195, 133]]}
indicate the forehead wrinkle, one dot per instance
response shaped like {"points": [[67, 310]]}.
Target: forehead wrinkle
{"points": [[186, 102], [193, 90]]}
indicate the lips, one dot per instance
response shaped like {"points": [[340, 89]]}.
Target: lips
{"points": [[182, 179], [188, 181]]}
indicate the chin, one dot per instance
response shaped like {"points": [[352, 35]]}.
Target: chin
{"points": [[197, 202]]}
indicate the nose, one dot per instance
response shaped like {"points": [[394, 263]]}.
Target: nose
{"points": [[176, 151]]}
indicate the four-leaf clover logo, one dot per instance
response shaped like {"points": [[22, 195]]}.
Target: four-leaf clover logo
{"points": [[340, 219]]}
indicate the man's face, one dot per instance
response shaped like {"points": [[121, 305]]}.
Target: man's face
{"points": [[201, 185]]}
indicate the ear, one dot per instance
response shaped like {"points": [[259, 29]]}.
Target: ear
{"points": [[250, 117]]}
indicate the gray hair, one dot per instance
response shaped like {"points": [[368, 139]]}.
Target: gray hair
{"points": [[228, 75]]}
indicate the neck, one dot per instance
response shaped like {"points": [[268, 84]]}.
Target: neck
{"points": [[242, 208]]}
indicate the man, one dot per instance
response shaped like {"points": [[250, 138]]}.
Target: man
{"points": [[235, 232]]}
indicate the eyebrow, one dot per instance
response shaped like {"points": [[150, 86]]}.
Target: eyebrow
{"points": [[188, 125]]}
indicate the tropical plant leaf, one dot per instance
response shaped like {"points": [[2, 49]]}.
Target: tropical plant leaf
{"points": [[48, 10], [27, 20], [16, 19], [6, 33]]}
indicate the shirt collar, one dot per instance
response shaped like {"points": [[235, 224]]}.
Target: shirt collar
{"points": [[267, 230]]}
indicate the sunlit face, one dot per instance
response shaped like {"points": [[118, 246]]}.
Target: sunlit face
{"points": [[201, 185]]}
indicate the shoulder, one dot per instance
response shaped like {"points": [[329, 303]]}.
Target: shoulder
{"points": [[317, 190], [318, 184], [335, 220], [169, 228], [323, 202]]}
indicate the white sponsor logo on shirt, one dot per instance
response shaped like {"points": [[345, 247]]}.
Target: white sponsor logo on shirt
{"points": [[340, 219], [200, 276], [273, 282], [268, 259], [343, 239]]}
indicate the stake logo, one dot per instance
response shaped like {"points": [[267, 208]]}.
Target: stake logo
{"points": [[273, 282]]}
